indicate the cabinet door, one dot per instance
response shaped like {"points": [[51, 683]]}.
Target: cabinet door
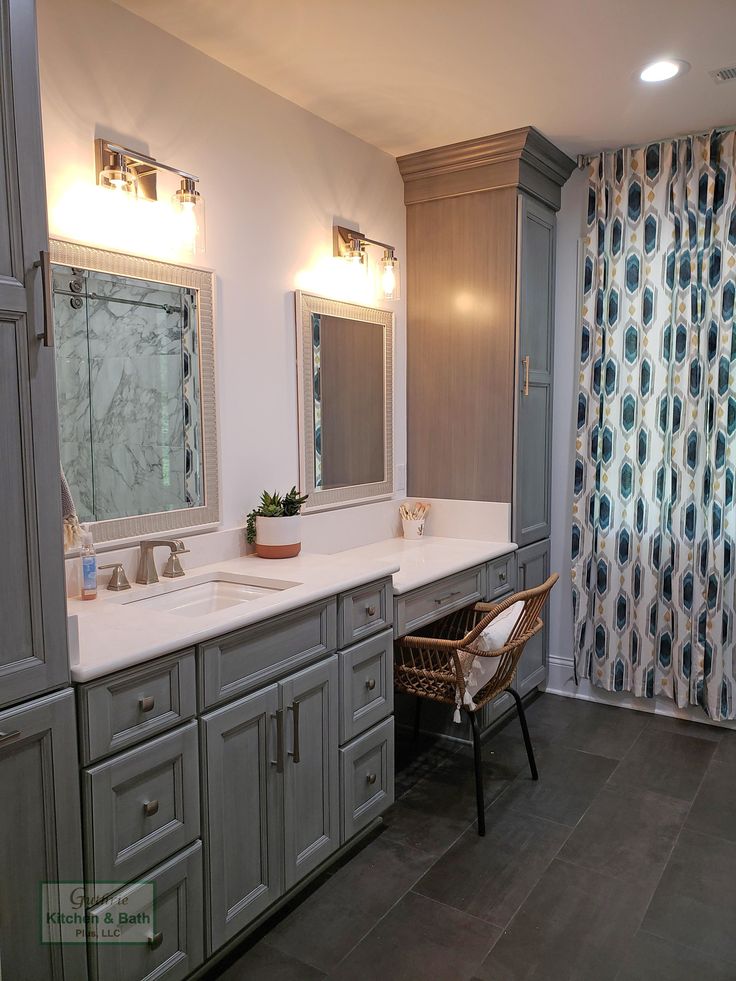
{"points": [[310, 703], [533, 569], [40, 836], [242, 813], [33, 654], [535, 355]]}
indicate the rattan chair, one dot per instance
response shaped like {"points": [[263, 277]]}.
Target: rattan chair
{"points": [[434, 665]]}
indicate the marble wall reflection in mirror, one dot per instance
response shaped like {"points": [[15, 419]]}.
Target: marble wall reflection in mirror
{"points": [[135, 390], [345, 398]]}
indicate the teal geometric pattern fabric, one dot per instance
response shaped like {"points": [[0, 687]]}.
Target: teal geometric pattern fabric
{"points": [[654, 523]]}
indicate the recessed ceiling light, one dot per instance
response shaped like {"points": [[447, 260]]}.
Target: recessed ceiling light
{"points": [[661, 71]]}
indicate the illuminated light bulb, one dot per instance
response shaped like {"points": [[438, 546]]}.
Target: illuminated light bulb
{"points": [[662, 71], [389, 276], [189, 207], [118, 177]]}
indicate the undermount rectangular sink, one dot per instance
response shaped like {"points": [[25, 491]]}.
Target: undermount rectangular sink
{"points": [[218, 591]]}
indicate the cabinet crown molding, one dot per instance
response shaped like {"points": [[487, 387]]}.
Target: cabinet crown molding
{"points": [[519, 157]]}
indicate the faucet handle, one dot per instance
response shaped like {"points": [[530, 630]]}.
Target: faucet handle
{"points": [[118, 580], [173, 568]]}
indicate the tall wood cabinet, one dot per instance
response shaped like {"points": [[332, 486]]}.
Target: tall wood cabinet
{"points": [[480, 326], [40, 837]]}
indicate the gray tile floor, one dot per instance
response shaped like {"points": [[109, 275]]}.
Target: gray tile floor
{"points": [[620, 863]]}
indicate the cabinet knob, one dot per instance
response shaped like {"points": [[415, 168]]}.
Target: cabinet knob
{"points": [[146, 703], [155, 940], [370, 610], [150, 808], [502, 576], [370, 684], [371, 778]]}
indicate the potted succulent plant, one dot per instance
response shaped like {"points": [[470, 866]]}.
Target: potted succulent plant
{"points": [[275, 525]]}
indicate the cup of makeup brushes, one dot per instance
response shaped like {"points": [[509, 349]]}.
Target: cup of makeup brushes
{"points": [[413, 519]]}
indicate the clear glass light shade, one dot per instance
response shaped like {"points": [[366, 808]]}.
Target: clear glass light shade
{"points": [[389, 277], [118, 178], [189, 207]]}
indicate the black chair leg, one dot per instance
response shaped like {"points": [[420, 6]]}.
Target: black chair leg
{"points": [[417, 717], [479, 796], [525, 733]]}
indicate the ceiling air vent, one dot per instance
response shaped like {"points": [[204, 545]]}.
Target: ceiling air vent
{"points": [[724, 75]]}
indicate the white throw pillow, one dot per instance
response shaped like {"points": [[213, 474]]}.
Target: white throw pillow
{"points": [[498, 631]]}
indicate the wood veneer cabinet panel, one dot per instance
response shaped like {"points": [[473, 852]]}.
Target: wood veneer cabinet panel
{"points": [[461, 274]]}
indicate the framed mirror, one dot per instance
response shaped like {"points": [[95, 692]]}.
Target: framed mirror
{"points": [[345, 387], [135, 382]]}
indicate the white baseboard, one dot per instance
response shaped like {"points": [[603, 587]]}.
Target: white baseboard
{"points": [[561, 681]]}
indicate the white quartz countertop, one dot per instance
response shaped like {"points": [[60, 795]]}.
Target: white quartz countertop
{"points": [[115, 633]]}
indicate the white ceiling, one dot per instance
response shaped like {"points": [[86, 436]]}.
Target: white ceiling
{"points": [[410, 74]]}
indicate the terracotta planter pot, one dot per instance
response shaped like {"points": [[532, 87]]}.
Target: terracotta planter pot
{"points": [[278, 538]]}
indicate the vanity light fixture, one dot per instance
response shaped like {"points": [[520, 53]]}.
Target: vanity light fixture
{"points": [[122, 169], [350, 245], [663, 70]]}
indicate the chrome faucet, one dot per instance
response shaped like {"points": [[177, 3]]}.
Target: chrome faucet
{"points": [[147, 574]]}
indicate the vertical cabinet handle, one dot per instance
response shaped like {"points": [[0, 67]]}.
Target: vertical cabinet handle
{"points": [[525, 365], [44, 264], [295, 751], [279, 716]]}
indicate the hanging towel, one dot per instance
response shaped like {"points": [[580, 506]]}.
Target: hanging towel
{"points": [[72, 528]]}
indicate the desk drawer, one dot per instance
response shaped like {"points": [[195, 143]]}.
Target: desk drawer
{"points": [[255, 656], [126, 708], [502, 576], [421, 606], [364, 611], [366, 684], [141, 806], [173, 925], [367, 778]]}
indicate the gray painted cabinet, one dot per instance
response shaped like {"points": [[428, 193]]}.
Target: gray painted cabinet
{"points": [[310, 701], [535, 355], [39, 833], [32, 606], [533, 569]]}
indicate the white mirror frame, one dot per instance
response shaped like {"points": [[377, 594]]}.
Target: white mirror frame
{"points": [[320, 500], [136, 267]]}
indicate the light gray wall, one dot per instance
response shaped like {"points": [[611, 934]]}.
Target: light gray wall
{"points": [[569, 231]]}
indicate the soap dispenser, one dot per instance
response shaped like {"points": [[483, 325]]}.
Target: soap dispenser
{"points": [[89, 565]]}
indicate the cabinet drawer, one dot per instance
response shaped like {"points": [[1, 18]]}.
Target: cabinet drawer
{"points": [[366, 684], [173, 921], [141, 806], [364, 611], [502, 576], [366, 778], [251, 658], [128, 707], [422, 606]]}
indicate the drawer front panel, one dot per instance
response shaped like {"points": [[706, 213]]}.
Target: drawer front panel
{"points": [[173, 928], [422, 606], [134, 705], [142, 806], [366, 684], [251, 658], [363, 612], [367, 778], [502, 576]]}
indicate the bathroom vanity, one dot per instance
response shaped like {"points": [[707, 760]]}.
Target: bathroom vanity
{"points": [[234, 754]]}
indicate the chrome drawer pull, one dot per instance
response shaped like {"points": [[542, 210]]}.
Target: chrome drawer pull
{"points": [[371, 778], [146, 703], [8, 737], [150, 808], [370, 610], [443, 599], [155, 940], [370, 684]]}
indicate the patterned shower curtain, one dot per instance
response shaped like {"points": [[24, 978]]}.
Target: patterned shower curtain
{"points": [[654, 524]]}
